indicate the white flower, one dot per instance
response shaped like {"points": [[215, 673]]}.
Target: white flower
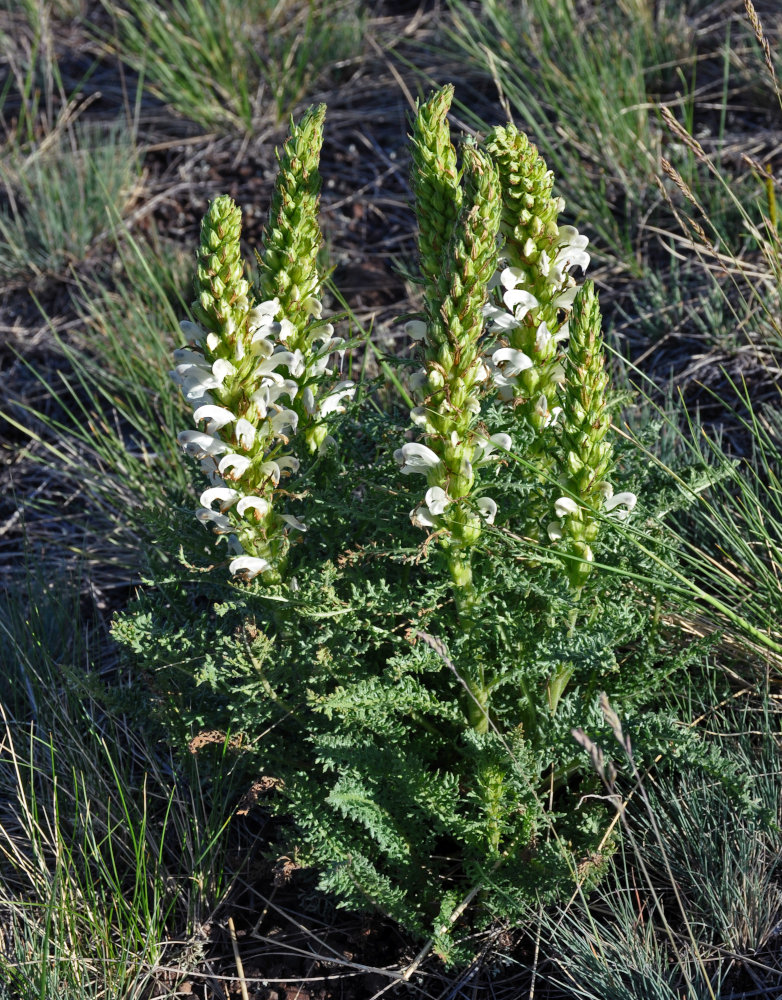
{"points": [[332, 401], [273, 469], [234, 464], [215, 416], [248, 566], [436, 500], [187, 356], [192, 331], [484, 449], [421, 517], [518, 302], [224, 494], [626, 500], [221, 522], [418, 380], [506, 364], [554, 530], [565, 507], [284, 420], [244, 432], [198, 444], [542, 409], [222, 369], [260, 506], [294, 522], [415, 457], [415, 329], [488, 509]]}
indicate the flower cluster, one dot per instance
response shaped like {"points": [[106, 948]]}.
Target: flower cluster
{"points": [[536, 288], [288, 272], [585, 452], [259, 376], [240, 382], [458, 247]]}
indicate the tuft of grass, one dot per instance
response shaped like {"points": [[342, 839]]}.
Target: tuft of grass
{"points": [[693, 906], [221, 63], [579, 83], [56, 198], [111, 858], [103, 429]]}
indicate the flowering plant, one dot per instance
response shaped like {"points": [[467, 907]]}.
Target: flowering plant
{"points": [[410, 672]]}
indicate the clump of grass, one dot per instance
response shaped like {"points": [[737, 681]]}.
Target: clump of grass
{"points": [[56, 198], [221, 64], [581, 88], [110, 860], [100, 428], [695, 890]]}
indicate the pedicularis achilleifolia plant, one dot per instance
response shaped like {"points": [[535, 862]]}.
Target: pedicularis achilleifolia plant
{"points": [[404, 613]]}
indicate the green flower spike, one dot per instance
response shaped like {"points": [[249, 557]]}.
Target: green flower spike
{"points": [[586, 453], [288, 269], [451, 381], [222, 293], [536, 285], [435, 183], [289, 275], [231, 375]]}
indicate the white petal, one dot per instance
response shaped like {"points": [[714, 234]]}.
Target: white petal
{"points": [[511, 361], [418, 379], [288, 463], [421, 517], [220, 521], [332, 402], [511, 276], [224, 494], [313, 307], [258, 504], [287, 330], [605, 489], [628, 500], [565, 506], [415, 329], [248, 566], [198, 444], [542, 338], [192, 331], [236, 464], [500, 319], [419, 416], [216, 416], [568, 258], [221, 370], [415, 457], [437, 499], [186, 356], [519, 302], [272, 470], [284, 420], [502, 441], [294, 522], [244, 433], [262, 345], [554, 530], [488, 509], [565, 299], [308, 400], [570, 236]]}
